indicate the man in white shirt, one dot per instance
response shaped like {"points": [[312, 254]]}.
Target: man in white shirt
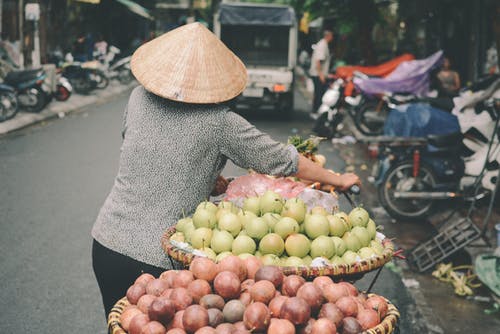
{"points": [[320, 66]]}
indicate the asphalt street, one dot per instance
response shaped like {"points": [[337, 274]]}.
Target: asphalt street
{"points": [[54, 177]]}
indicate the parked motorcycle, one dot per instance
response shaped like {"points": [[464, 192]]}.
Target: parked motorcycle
{"points": [[83, 79], [8, 102], [410, 77], [114, 67], [29, 87], [413, 173]]}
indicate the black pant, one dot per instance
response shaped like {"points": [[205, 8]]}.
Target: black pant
{"points": [[115, 273], [319, 90]]}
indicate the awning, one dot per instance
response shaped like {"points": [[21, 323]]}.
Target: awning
{"points": [[245, 14], [136, 8]]}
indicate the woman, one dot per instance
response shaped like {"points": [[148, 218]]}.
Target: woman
{"points": [[449, 80], [177, 139]]}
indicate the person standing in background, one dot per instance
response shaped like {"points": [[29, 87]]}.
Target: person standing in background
{"points": [[449, 80], [320, 66]]}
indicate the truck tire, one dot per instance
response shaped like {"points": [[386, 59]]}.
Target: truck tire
{"points": [[285, 104]]}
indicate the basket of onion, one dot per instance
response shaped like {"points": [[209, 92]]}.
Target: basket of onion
{"points": [[242, 296]]}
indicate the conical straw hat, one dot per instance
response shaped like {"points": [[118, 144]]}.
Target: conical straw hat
{"points": [[189, 64]]}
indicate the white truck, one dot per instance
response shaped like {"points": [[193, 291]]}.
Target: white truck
{"points": [[265, 39]]}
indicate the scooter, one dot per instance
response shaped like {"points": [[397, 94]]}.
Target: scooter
{"points": [[114, 67], [8, 102], [413, 173], [29, 87]]}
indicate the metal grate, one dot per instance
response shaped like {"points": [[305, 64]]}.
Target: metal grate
{"points": [[452, 238]]}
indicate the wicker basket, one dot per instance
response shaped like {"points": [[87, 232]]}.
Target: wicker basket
{"points": [[387, 326], [350, 272]]}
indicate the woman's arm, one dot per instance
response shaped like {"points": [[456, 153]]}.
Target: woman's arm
{"points": [[311, 171], [457, 81]]}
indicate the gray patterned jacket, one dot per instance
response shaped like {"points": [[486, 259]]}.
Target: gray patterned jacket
{"points": [[170, 158]]}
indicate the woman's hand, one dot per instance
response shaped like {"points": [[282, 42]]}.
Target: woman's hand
{"points": [[347, 180], [311, 171], [220, 186]]}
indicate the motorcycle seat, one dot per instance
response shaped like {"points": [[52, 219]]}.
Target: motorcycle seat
{"points": [[17, 77], [443, 141]]}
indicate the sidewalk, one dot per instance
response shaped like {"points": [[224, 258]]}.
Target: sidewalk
{"points": [[60, 109]]}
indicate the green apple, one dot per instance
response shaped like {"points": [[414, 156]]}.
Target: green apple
{"points": [[295, 208], [319, 210], [270, 260], [359, 217], [208, 206], [220, 212], [230, 222], [271, 202], [351, 241], [350, 257], [182, 223], [257, 228], [297, 245], [226, 205], [302, 229], [188, 231], [271, 219], [243, 244], [252, 204], [293, 261], [342, 215], [316, 225], [201, 237], [243, 232], [337, 225], [245, 217], [244, 256], [286, 226], [322, 246], [377, 247], [178, 236], [371, 227], [307, 260], [222, 255], [258, 254], [209, 253], [340, 246], [204, 218], [337, 260], [222, 241], [362, 234], [366, 253], [272, 243]]}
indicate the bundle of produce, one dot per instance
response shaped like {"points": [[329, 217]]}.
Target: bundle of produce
{"points": [[308, 148], [242, 296], [281, 232]]}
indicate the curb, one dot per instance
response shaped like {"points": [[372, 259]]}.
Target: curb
{"points": [[60, 109]]}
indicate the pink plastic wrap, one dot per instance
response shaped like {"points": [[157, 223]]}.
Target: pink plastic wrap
{"points": [[257, 184]]}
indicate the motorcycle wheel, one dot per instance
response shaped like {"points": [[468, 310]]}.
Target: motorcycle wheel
{"points": [[8, 105], [125, 76], [62, 93], [370, 117], [41, 100], [399, 177], [101, 79], [81, 85]]}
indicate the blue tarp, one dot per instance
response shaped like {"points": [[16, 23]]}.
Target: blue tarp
{"points": [[419, 120]]}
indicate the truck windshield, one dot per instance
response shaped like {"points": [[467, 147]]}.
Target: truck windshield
{"points": [[258, 45]]}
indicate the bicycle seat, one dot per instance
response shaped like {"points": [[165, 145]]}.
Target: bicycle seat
{"points": [[447, 140], [16, 77]]}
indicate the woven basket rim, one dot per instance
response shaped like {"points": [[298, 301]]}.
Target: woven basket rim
{"points": [[386, 326], [339, 271]]}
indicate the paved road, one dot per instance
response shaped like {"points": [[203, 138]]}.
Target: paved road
{"points": [[54, 178]]}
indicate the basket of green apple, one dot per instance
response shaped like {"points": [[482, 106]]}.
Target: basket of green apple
{"points": [[285, 233]]}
